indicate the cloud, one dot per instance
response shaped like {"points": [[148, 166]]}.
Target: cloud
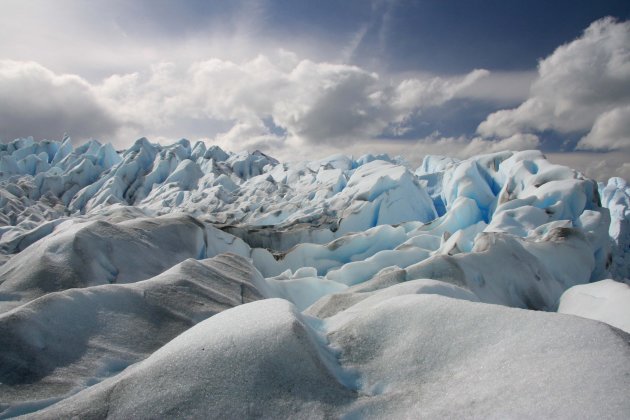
{"points": [[581, 83], [597, 165], [331, 102], [349, 51], [252, 135], [291, 108], [98, 39], [434, 91], [36, 102], [275, 99], [162, 71], [506, 88], [310, 102], [611, 131], [464, 147]]}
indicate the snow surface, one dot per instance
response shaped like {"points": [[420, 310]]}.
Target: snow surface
{"points": [[403, 356], [606, 300], [67, 340], [386, 290]]}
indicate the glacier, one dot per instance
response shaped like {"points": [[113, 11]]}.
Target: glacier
{"points": [[183, 280]]}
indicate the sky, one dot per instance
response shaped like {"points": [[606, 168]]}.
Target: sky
{"points": [[305, 79]]}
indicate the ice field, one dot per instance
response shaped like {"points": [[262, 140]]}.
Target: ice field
{"points": [[188, 281]]}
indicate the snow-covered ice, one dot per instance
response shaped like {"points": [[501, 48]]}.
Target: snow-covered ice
{"points": [[381, 290], [64, 341], [412, 355], [606, 300]]}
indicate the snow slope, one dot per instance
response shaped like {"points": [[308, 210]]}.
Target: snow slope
{"points": [[405, 356], [391, 280], [98, 252], [64, 341]]}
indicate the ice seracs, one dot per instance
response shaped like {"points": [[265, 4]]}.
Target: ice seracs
{"points": [[616, 197]]}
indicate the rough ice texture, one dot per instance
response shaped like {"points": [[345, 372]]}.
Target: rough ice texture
{"points": [[399, 280], [616, 197]]}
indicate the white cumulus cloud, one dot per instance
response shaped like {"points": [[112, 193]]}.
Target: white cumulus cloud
{"points": [[273, 100], [610, 131], [583, 85], [309, 102]]}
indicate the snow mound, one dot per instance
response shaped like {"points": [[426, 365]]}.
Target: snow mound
{"points": [[468, 359], [434, 357], [260, 359], [99, 252], [65, 341], [607, 301]]}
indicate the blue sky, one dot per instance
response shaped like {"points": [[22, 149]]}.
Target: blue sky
{"points": [[451, 36], [304, 78]]}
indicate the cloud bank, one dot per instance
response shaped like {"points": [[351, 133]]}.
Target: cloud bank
{"points": [[279, 100], [584, 86], [225, 80]]}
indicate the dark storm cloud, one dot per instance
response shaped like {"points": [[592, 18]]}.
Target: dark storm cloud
{"points": [[36, 102]]}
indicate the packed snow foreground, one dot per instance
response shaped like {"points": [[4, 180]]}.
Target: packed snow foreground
{"points": [[186, 281]]}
